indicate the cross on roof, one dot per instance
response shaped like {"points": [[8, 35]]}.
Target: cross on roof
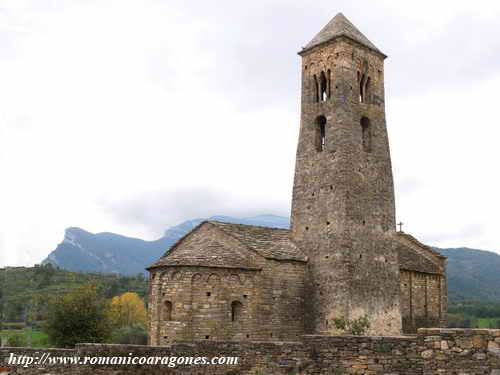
{"points": [[400, 226]]}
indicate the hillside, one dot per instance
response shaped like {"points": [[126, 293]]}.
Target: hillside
{"points": [[472, 274], [26, 290]]}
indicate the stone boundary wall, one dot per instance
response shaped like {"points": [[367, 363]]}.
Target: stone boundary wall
{"points": [[433, 351]]}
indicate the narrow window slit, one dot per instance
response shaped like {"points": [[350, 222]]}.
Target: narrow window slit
{"points": [[321, 133]]}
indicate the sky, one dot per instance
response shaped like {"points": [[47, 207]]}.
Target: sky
{"points": [[130, 116]]}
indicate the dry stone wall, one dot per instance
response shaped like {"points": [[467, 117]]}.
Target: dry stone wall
{"points": [[432, 352]]}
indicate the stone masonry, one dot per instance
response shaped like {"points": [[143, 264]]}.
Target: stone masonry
{"points": [[431, 352], [342, 257]]}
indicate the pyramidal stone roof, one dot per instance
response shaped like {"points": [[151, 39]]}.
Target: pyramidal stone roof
{"points": [[337, 27]]}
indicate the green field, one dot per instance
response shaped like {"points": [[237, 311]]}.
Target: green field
{"points": [[493, 323], [38, 339]]}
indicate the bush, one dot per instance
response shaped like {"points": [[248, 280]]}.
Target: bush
{"points": [[17, 341], [134, 334], [78, 317], [356, 327]]}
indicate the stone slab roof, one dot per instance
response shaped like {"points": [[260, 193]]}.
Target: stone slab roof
{"points": [[271, 243], [413, 240], [415, 256], [210, 253], [199, 250], [337, 27], [410, 260]]}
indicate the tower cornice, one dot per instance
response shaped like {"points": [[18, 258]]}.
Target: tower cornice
{"points": [[306, 50]]}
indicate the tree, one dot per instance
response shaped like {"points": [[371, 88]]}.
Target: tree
{"points": [[77, 317], [127, 309], [134, 334]]}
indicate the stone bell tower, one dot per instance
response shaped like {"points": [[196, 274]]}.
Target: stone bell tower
{"points": [[343, 211]]}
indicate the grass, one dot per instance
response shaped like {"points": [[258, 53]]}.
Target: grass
{"points": [[487, 322], [39, 339]]}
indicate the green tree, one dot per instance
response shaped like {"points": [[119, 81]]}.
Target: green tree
{"points": [[134, 334], [77, 317]]}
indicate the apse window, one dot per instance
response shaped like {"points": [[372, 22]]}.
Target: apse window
{"points": [[167, 311], [236, 311]]}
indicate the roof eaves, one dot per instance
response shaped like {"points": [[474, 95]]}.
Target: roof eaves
{"points": [[206, 266]]}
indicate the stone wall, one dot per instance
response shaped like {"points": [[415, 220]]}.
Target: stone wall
{"points": [[421, 300], [226, 304], [431, 352]]}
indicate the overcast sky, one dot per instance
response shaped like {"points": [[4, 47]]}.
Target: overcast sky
{"points": [[130, 116]]}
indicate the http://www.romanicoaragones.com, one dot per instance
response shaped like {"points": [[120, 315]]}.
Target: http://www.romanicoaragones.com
{"points": [[172, 361]]}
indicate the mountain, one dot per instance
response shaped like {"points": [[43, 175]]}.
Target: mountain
{"points": [[113, 253], [105, 252], [472, 274]]}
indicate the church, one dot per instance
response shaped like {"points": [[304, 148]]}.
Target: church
{"points": [[342, 258]]}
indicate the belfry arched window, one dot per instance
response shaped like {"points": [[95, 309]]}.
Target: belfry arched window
{"points": [[364, 88], [367, 91], [361, 83], [366, 134], [167, 311], [236, 311], [321, 133], [323, 87], [315, 89]]}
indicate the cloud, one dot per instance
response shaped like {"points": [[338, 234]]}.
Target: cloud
{"points": [[457, 236], [407, 186], [128, 116], [156, 210], [447, 57]]}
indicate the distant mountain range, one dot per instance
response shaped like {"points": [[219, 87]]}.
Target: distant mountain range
{"points": [[108, 252], [472, 274]]}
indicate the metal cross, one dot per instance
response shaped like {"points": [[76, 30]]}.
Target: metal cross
{"points": [[400, 226]]}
